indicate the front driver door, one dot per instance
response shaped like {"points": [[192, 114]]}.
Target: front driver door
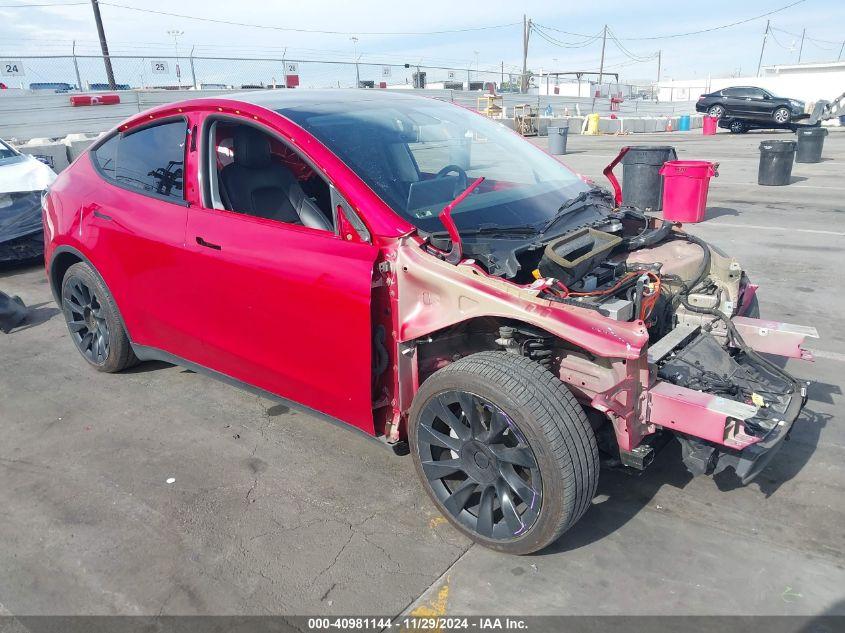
{"points": [[285, 308]]}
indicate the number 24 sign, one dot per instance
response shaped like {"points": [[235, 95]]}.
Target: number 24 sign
{"points": [[11, 68]]}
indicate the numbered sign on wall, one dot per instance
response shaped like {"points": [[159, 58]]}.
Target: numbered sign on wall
{"points": [[159, 67], [291, 68], [385, 71], [450, 74], [12, 67]]}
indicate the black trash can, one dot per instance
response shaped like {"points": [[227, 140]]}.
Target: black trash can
{"points": [[642, 184], [810, 144], [776, 158], [557, 139]]}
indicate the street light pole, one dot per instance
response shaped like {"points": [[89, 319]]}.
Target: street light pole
{"points": [[355, 52], [176, 34]]}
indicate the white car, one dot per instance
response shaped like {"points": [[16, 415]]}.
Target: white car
{"points": [[23, 180]]}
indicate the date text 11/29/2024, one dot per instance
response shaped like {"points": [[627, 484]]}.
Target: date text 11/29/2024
{"points": [[418, 623]]}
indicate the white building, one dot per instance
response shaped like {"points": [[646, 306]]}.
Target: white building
{"points": [[808, 82]]}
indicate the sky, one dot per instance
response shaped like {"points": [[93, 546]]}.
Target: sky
{"points": [[51, 30]]}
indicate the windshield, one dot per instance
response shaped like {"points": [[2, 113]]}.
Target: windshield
{"points": [[6, 151], [419, 154]]}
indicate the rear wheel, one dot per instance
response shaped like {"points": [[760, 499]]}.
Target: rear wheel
{"points": [[716, 111], [504, 450], [93, 320], [782, 115]]}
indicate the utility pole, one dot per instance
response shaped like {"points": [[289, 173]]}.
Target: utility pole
{"points": [[659, 68], [763, 48], [502, 81], [601, 64], [841, 48], [801, 48], [104, 46], [526, 32]]}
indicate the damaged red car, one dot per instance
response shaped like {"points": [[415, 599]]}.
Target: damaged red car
{"points": [[426, 276]]}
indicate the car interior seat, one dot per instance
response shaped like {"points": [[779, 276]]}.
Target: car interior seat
{"points": [[253, 184]]}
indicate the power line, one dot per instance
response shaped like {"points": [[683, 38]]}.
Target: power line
{"points": [[688, 33], [43, 4], [300, 30], [626, 52], [553, 40]]}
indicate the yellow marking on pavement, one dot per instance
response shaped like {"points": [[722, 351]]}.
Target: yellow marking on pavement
{"points": [[435, 521], [435, 608]]}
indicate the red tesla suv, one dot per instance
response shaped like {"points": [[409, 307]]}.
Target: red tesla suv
{"points": [[428, 277]]}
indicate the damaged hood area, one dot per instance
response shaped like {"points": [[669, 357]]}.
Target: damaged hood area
{"points": [[22, 181]]}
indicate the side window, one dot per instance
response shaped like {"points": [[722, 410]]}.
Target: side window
{"points": [[730, 92], [152, 160], [254, 173], [106, 156]]}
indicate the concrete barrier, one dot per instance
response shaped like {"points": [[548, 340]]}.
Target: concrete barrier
{"points": [[51, 152], [78, 143]]}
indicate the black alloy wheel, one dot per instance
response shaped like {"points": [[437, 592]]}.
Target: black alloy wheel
{"points": [[504, 450], [86, 321], [93, 321], [479, 465], [716, 111]]}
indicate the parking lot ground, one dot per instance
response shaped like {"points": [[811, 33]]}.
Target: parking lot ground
{"points": [[276, 512]]}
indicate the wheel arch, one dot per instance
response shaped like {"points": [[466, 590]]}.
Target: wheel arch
{"points": [[62, 259]]}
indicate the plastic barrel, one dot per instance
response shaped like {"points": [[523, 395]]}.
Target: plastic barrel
{"points": [[685, 187], [776, 158], [810, 144], [642, 184], [708, 125], [593, 123], [557, 140], [684, 123]]}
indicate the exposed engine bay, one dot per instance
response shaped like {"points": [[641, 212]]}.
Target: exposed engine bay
{"points": [[630, 267]]}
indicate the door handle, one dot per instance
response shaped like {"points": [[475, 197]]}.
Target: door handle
{"points": [[202, 242], [102, 216]]}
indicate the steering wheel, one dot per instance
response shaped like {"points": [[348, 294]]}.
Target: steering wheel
{"points": [[462, 175]]}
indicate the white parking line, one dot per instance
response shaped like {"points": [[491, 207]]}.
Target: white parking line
{"points": [[762, 227], [819, 353]]}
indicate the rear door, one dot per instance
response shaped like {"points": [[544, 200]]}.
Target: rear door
{"points": [[134, 228], [284, 307]]}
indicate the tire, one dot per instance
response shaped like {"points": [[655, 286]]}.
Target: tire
{"points": [[738, 127], [525, 422], [93, 320], [717, 111], [782, 115]]}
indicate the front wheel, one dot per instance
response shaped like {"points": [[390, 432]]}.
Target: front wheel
{"points": [[716, 111], [504, 451], [782, 116]]}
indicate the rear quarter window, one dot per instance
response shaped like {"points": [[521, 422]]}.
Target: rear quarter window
{"points": [[150, 161]]}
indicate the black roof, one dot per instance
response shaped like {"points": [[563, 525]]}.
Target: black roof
{"points": [[281, 99]]}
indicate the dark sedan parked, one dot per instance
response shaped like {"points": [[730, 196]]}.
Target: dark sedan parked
{"points": [[747, 106]]}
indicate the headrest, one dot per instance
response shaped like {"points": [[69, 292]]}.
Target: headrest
{"points": [[252, 148]]}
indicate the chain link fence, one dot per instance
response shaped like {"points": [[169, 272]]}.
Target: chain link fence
{"points": [[86, 72]]}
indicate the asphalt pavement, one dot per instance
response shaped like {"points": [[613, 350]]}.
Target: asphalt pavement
{"points": [[271, 511]]}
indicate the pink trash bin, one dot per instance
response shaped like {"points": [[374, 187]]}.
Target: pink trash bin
{"points": [[708, 125], [685, 186]]}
